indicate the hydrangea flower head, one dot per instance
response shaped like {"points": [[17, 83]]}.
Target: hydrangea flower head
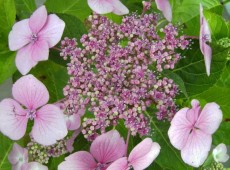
{"points": [[33, 37], [191, 131], [29, 103]]}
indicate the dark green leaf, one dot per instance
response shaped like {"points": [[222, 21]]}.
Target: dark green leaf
{"points": [[25, 8]]}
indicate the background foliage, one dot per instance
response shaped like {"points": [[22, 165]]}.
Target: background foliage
{"points": [[189, 73]]}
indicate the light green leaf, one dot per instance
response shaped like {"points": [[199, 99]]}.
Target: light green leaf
{"points": [[77, 8], [7, 65], [7, 17]]}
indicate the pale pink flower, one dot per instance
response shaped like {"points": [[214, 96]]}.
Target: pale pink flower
{"points": [[105, 149], [140, 157], [165, 7], [33, 166], [33, 37], [18, 157], [49, 124], [107, 6], [191, 131], [73, 121], [205, 36], [220, 154]]}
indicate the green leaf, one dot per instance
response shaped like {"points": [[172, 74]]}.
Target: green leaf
{"points": [[74, 27], [185, 10], [219, 28], [219, 93], [7, 17], [169, 157], [7, 65], [222, 134], [77, 8], [25, 8], [5, 148], [192, 69]]}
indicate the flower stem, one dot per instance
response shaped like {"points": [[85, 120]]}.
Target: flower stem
{"points": [[55, 48], [127, 143]]}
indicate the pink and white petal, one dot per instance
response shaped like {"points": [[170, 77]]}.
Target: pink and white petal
{"points": [[30, 92], [121, 164], [101, 6], [12, 117], [34, 166], [165, 7], [49, 125], [79, 160], [70, 142], [24, 61], [196, 149], [180, 128], [210, 118], [73, 122], [18, 155], [193, 113], [119, 8], [20, 35], [40, 50], [207, 57], [108, 147], [38, 19], [144, 154], [52, 30]]}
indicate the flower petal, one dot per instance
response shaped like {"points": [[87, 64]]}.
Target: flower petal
{"points": [[108, 147], [101, 6], [165, 7], [80, 160], [179, 129], [52, 31], [40, 50], [20, 34], [144, 154], [205, 36], [18, 156], [38, 19], [119, 8], [196, 149], [30, 92], [220, 153], [49, 125], [73, 122], [34, 166], [24, 60], [121, 164], [210, 118], [12, 117]]}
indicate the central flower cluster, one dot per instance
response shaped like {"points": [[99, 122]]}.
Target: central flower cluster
{"points": [[117, 73]]}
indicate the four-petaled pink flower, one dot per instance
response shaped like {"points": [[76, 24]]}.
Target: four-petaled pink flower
{"points": [[18, 157], [33, 37], [205, 36], [107, 6], [140, 157], [105, 149], [165, 7], [49, 124], [191, 131]]}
